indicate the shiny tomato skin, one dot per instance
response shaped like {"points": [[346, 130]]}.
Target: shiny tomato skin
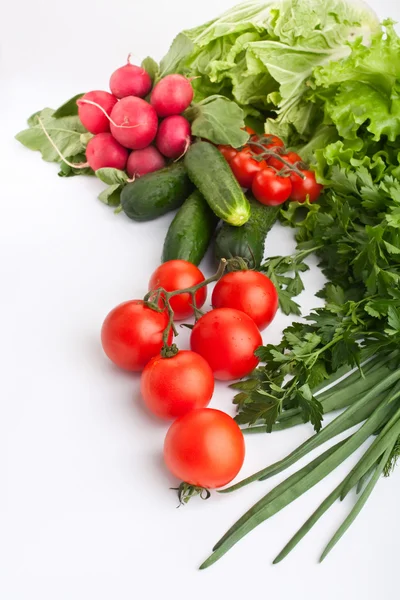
{"points": [[291, 157], [301, 188], [249, 291], [245, 167], [132, 334], [204, 448], [172, 387], [273, 141], [176, 275], [227, 152], [271, 189], [227, 338]]}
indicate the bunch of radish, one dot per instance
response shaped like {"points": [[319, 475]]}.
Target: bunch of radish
{"points": [[136, 128]]}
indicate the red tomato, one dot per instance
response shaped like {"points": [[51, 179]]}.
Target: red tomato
{"points": [[249, 130], [271, 189], [249, 291], [290, 157], [172, 387], [204, 448], [177, 275], [269, 142], [132, 334], [227, 339], [301, 188], [245, 167], [227, 152]]}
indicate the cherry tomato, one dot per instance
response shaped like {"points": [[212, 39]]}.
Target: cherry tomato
{"points": [[301, 188], [290, 157], [227, 152], [172, 387], [249, 291], [267, 141], [177, 275], [132, 334], [227, 339], [245, 167], [271, 189], [249, 130], [204, 448]]}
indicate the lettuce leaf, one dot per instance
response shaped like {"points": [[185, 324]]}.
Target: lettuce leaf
{"points": [[263, 55]]}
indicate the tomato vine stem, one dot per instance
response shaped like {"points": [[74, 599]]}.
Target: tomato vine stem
{"points": [[160, 296]]}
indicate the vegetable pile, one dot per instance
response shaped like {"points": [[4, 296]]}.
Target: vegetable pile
{"points": [[319, 81]]}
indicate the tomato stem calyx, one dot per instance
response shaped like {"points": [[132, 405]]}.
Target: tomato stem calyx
{"points": [[186, 491], [169, 351]]}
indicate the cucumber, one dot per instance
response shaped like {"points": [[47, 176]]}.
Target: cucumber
{"points": [[191, 230], [248, 241], [156, 193], [211, 174]]}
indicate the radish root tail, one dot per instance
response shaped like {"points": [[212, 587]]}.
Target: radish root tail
{"points": [[123, 126]]}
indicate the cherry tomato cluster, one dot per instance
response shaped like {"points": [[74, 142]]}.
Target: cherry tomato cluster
{"points": [[273, 173], [137, 126], [204, 447]]}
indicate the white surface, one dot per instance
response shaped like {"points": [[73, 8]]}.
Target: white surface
{"points": [[85, 507]]}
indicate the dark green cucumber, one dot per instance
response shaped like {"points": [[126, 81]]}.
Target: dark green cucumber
{"points": [[211, 174], [157, 193], [191, 230], [248, 241]]}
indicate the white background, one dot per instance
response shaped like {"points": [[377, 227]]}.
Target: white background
{"points": [[85, 506]]}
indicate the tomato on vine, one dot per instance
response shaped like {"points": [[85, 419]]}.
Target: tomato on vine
{"points": [[305, 187], [227, 152], [289, 157], [132, 334], [227, 339], [249, 291], [245, 167], [205, 448], [268, 142], [271, 189], [173, 386], [177, 275]]}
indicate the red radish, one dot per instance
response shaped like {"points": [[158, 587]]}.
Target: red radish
{"points": [[172, 95], [134, 123], [144, 161], [130, 80], [92, 117], [173, 137], [104, 151]]}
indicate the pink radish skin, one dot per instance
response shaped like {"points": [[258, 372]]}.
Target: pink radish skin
{"points": [[144, 161], [173, 137], [134, 123], [104, 151], [92, 117], [172, 95], [130, 80]]}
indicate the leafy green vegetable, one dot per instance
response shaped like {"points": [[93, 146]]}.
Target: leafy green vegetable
{"points": [[67, 133], [152, 68], [68, 109], [262, 55], [112, 176], [173, 60], [111, 195], [219, 120]]}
